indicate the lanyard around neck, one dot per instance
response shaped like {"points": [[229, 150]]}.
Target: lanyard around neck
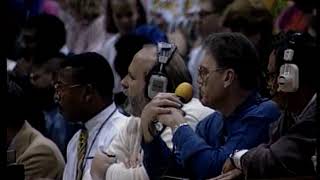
{"points": [[95, 138]]}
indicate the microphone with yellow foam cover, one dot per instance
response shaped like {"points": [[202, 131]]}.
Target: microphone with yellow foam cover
{"points": [[184, 91]]}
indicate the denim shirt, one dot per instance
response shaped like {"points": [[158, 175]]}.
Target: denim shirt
{"points": [[201, 154]]}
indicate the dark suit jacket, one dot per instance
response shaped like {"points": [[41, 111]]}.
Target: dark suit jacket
{"points": [[287, 155]]}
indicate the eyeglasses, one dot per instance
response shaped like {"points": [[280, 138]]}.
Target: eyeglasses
{"points": [[59, 87], [204, 73]]}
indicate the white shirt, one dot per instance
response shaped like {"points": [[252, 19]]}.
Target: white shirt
{"points": [[128, 141], [109, 52], [103, 138]]}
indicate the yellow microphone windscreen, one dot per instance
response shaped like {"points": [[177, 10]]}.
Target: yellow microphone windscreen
{"points": [[184, 91]]}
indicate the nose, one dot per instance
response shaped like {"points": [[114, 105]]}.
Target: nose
{"points": [[124, 82]]}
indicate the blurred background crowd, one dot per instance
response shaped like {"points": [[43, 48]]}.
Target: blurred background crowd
{"points": [[103, 42]]}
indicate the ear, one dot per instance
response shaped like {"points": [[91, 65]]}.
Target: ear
{"points": [[89, 91], [229, 76]]}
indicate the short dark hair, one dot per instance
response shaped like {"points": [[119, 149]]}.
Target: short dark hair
{"points": [[16, 104], [220, 5], [306, 6], [305, 55], [235, 51], [110, 24], [92, 68], [50, 34]]}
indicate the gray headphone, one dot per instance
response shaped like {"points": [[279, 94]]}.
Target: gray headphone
{"points": [[158, 81]]}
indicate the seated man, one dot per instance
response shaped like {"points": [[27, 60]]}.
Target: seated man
{"points": [[228, 79], [293, 142], [41, 38], [83, 90], [40, 156], [126, 146], [57, 128]]}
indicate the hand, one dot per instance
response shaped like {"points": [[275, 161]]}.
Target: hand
{"points": [[228, 166], [233, 174], [100, 164], [134, 160], [158, 105], [173, 119]]}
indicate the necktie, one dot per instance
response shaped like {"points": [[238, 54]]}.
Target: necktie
{"points": [[81, 152]]}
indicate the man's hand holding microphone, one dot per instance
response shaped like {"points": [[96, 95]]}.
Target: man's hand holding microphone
{"points": [[165, 108]]}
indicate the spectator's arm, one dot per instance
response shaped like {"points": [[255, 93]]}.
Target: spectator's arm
{"points": [[290, 155], [42, 162], [203, 157]]}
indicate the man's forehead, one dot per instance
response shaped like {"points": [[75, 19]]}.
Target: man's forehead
{"points": [[208, 60], [65, 74], [145, 58]]}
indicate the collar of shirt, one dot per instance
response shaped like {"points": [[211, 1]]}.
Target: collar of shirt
{"points": [[253, 98], [253, 106], [100, 117]]}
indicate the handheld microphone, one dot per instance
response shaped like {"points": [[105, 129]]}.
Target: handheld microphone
{"points": [[184, 92]]}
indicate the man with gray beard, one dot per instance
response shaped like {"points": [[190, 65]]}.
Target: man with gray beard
{"points": [[125, 151]]}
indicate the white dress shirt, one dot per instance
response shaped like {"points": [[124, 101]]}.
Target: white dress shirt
{"points": [[96, 138]]}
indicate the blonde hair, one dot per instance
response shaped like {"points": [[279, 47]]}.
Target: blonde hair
{"points": [[86, 9]]}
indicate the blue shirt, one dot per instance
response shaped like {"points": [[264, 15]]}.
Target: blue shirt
{"points": [[201, 154], [58, 129]]}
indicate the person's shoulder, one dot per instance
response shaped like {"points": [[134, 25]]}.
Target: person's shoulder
{"points": [[43, 149], [111, 41], [45, 144], [213, 119], [120, 120], [268, 106], [265, 109], [42, 158]]}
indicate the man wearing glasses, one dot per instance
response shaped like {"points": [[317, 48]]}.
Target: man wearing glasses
{"points": [[83, 90], [228, 81]]}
